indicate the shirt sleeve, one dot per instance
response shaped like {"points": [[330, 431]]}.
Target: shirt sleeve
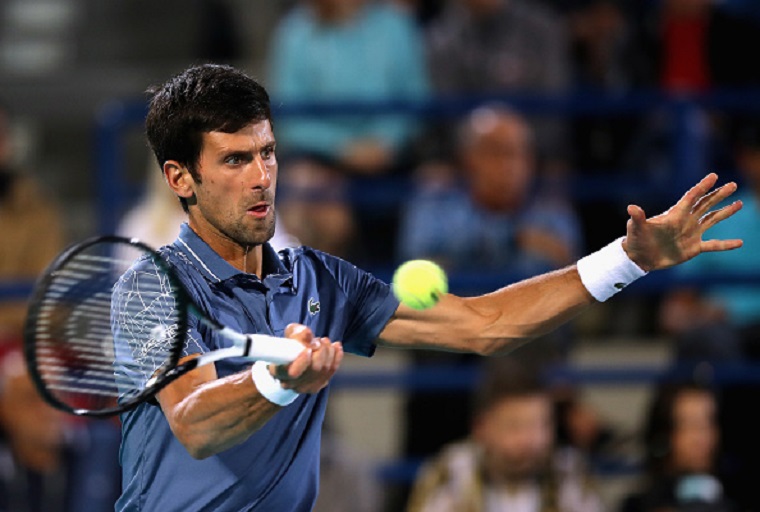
{"points": [[370, 304]]}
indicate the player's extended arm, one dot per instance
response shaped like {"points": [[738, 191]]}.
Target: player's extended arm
{"points": [[497, 322], [209, 415]]}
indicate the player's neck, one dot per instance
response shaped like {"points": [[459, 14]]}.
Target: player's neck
{"points": [[253, 260], [246, 258]]}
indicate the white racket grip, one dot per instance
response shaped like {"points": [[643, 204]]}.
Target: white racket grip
{"points": [[273, 349]]}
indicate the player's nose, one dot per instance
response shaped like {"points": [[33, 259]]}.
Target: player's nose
{"points": [[261, 177]]}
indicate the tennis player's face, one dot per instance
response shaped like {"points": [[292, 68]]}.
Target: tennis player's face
{"points": [[234, 200]]}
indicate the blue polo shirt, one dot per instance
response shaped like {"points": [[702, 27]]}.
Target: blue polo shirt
{"points": [[277, 468]]}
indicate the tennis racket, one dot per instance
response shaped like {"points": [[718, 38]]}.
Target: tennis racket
{"points": [[107, 323]]}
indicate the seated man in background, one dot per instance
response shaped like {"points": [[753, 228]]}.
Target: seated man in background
{"points": [[495, 47], [510, 461], [501, 223]]}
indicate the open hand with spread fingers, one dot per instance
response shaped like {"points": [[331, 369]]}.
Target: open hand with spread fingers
{"points": [[676, 235]]}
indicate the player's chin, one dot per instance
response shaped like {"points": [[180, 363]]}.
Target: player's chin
{"points": [[259, 232]]}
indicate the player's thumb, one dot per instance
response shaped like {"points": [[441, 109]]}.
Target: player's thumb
{"points": [[303, 334], [637, 216], [636, 212]]}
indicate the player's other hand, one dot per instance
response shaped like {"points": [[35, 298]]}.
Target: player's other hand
{"points": [[313, 368], [676, 236]]}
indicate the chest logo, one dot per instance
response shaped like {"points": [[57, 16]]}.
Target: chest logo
{"points": [[313, 306]]}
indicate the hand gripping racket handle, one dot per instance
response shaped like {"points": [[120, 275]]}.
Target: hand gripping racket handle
{"points": [[256, 347], [272, 349]]}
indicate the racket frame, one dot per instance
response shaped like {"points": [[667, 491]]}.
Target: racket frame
{"points": [[36, 302], [276, 351]]}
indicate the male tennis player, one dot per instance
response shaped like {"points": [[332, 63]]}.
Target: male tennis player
{"points": [[233, 437]]}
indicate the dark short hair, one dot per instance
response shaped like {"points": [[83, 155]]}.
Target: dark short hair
{"points": [[504, 378], [201, 99]]}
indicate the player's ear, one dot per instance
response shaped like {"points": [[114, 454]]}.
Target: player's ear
{"points": [[179, 178]]}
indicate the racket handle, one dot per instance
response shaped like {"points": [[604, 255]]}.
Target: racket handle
{"points": [[273, 349]]}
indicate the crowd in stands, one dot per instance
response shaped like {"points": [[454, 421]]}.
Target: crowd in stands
{"points": [[489, 190], [510, 460]]}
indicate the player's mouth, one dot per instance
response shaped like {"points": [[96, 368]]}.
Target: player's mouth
{"points": [[259, 210]]}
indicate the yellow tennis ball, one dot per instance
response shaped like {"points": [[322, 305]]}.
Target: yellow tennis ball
{"points": [[419, 284]]}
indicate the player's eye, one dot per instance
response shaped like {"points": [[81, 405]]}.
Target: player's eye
{"points": [[267, 152], [236, 159]]}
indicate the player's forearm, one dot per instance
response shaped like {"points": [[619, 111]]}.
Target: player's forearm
{"points": [[498, 322], [493, 323], [219, 414], [528, 309]]}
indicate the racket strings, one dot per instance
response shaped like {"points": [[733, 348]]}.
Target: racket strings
{"points": [[104, 327]]}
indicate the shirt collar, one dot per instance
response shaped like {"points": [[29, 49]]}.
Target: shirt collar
{"points": [[215, 268]]}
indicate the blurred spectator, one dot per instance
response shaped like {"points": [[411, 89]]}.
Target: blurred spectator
{"points": [[677, 32], [510, 461], [31, 432], [503, 226], [582, 427], [674, 44], [341, 51], [721, 322], [481, 46], [31, 442], [503, 222], [32, 232], [687, 47], [478, 47], [601, 45], [682, 446]]}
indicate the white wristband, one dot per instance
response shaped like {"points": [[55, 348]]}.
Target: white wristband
{"points": [[270, 387], [608, 270]]}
